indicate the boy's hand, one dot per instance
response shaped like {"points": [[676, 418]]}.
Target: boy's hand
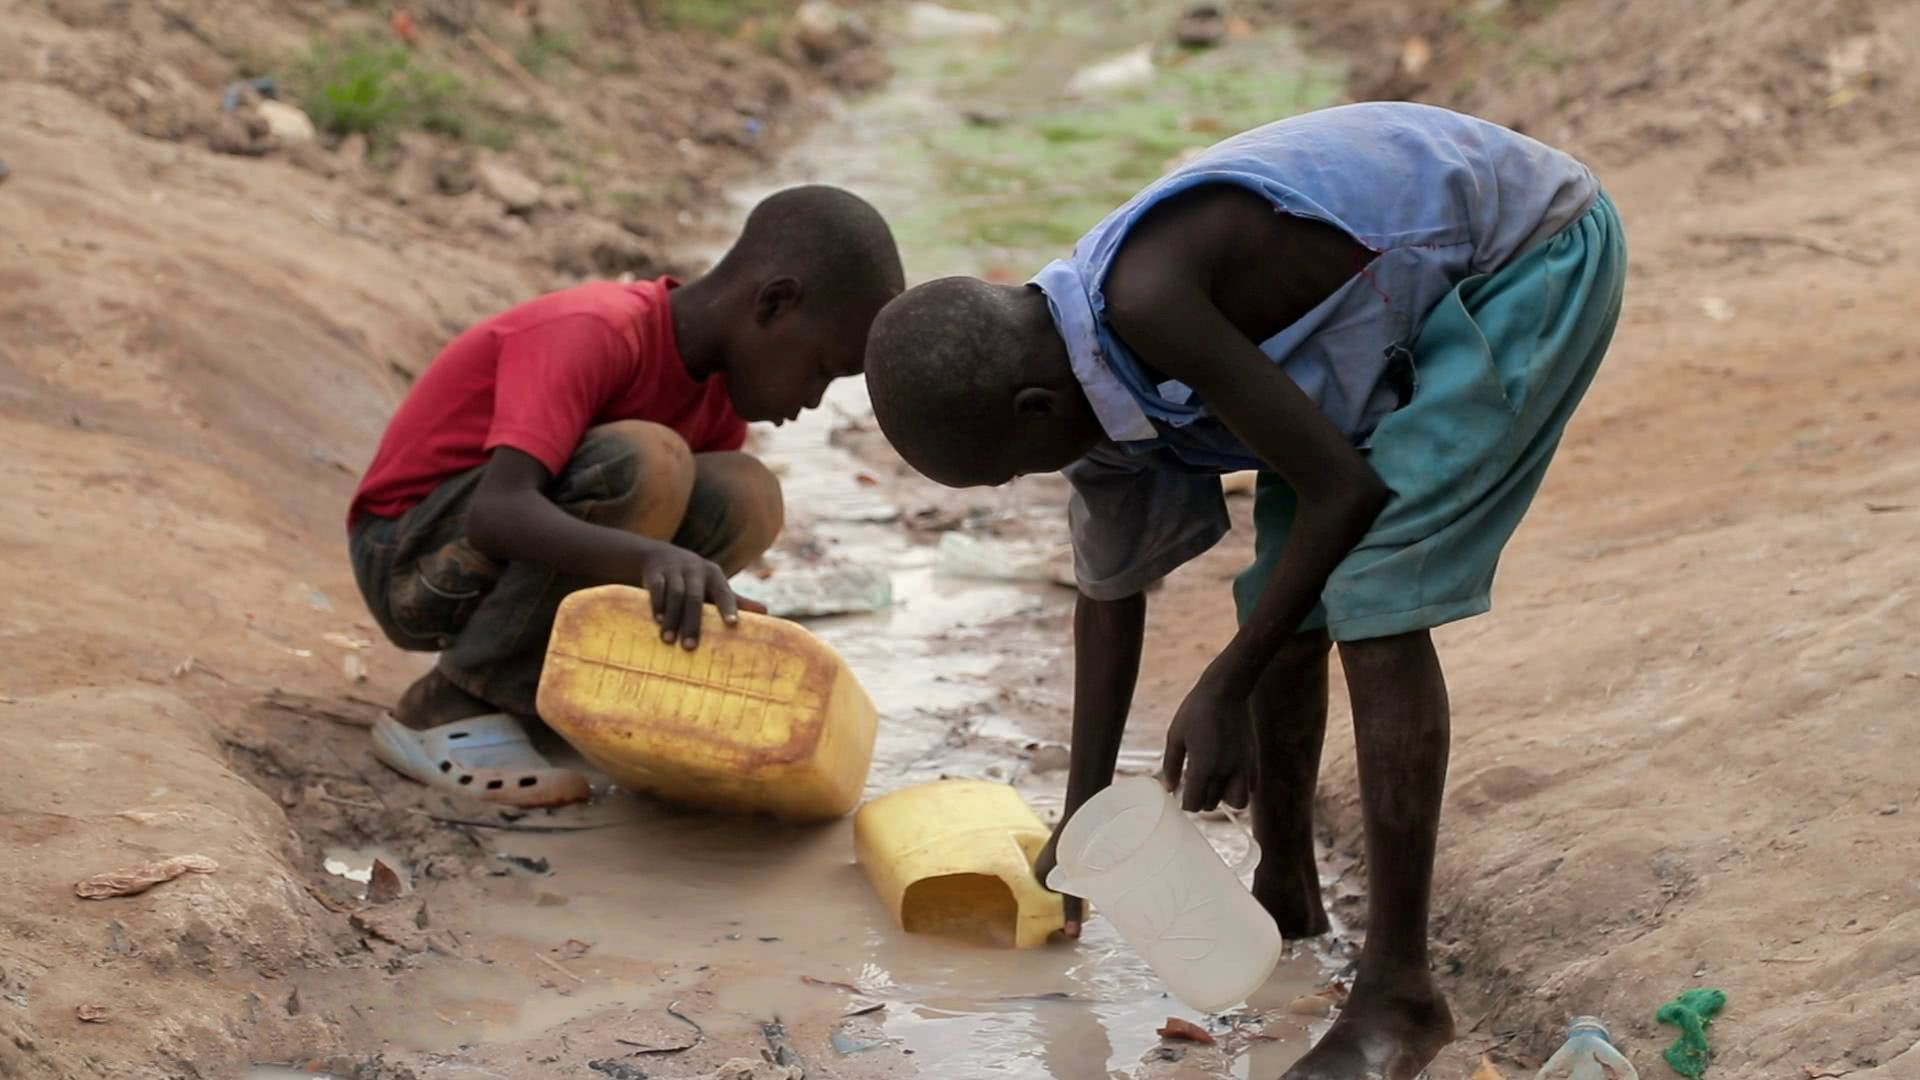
{"points": [[679, 583], [1209, 745]]}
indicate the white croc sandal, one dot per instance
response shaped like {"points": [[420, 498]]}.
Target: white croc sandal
{"points": [[488, 757]]}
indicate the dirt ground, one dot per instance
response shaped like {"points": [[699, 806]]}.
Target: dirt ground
{"points": [[1682, 741]]}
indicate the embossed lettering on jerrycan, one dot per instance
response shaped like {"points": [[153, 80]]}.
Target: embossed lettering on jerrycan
{"points": [[1135, 857], [763, 716]]}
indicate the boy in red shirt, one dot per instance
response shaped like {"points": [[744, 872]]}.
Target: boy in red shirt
{"points": [[593, 435]]}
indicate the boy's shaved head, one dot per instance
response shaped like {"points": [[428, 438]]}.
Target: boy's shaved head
{"points": [[833, 241], [787, 309], [970, 383]]}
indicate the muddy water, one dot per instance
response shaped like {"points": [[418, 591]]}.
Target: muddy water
{"points": [[983, 167]]}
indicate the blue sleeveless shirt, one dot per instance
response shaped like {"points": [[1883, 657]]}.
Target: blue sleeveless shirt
{"points": [[1437, 196]]}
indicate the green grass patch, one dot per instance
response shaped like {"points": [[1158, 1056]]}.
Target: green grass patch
{"points": [[368, 84], [538, 51], [720, 17], [1038, 181]]}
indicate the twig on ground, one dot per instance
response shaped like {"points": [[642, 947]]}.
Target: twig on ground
{"points": [[555, 965], [1813, 244]]}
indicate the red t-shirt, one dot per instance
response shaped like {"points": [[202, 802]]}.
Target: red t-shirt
{"points": [[535, 378]]}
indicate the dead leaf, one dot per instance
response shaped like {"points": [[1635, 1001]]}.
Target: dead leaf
{"points": [[1311, 1005], [848, 987], [139, 879], [1487, 1071], [1177, 1028], [91, 1014], [573, 948], [384, 886], [866, 480]]}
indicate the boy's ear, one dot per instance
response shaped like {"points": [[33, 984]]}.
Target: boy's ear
{"points": [[775, 298], [1036, 401]]}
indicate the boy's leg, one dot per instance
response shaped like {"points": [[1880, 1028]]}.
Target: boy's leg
{"points": [[734, 512], [1289, 724], [1395, 1021], [628, 475]]}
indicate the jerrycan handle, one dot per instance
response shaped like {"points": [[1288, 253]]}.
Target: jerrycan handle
{"points": [[1062, 880], [1252, 856]]}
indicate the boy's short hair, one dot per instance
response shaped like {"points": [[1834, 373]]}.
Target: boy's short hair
{"points": [[944, 361], [832, 240]]}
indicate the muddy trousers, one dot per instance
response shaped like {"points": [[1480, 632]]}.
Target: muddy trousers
{"points": [[431, 590]]}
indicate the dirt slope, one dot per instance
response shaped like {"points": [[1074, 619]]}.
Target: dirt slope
{"points": [[199, 351], [1683, 740]]}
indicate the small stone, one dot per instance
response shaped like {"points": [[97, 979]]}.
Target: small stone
{"points": [[286, 122], [517, 191], [590, 248], [243, 133], [1202, 27], [824, 30], [1048, 758], [1888, 810]]}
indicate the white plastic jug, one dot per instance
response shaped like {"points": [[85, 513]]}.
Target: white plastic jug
{"points": [[1131, 853]]}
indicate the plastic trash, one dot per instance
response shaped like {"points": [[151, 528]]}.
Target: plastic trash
{"points": [[963, 556], [803, 592], [762, 717], [1587, 1054], [1127, 71], [1136, 857], [955, 858], [925, 22]]}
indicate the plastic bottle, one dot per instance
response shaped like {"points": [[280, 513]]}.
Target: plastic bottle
{"points": [[1136, 857], [1588, 1048]]}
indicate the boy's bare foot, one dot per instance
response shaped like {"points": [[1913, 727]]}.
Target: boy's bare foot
{"points": [[433, 700], [1292, 898], [1387, 1035]]}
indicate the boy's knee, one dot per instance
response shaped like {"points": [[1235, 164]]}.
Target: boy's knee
{"points": [[1387, 658], [736, 510], [637, 475]]}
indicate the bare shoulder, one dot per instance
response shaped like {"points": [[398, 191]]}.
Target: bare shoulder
{"points": [[1182, 237]]}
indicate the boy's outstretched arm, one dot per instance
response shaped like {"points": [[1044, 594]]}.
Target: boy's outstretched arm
{"points": [[1106, 666], [512, 520], [1164, 308]]}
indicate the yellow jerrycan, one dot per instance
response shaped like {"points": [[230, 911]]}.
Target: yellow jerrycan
{"points": [[955, 858], [762, 717]]}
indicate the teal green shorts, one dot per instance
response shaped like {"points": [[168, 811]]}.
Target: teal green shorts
{"points": [[1498, 367]]}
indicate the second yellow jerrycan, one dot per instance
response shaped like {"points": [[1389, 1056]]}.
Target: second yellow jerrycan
{"points": [[763, 716], [955, 858]]}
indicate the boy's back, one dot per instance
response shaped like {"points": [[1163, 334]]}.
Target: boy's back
{"points": [[536, 377]]}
